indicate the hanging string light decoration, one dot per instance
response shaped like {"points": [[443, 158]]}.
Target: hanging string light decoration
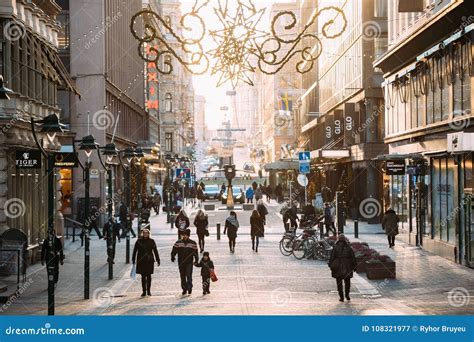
{"points": [[240, 47]]}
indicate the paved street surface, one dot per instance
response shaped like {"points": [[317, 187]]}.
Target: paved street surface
{"points": [[266, 283]]}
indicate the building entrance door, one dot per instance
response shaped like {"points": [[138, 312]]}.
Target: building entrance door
{"points": [[467, 242]]}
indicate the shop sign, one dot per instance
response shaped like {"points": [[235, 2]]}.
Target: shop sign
{"points": [[395, 167], [28, 159], [65, 159]]}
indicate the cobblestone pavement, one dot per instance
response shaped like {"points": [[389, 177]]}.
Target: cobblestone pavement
{"points": [[266, 283]]}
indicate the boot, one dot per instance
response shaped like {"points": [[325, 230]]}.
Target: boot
{"points": [[148, 288]]}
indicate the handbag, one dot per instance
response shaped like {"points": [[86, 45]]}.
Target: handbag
{"points": [[133, 272], [206, 233], [213, 275]]}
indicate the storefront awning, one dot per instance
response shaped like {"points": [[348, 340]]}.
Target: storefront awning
{"points": [[384, 157], [282, 165]]}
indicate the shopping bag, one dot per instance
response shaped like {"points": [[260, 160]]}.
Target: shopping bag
{"points": [[133, 272], [213, 275]]}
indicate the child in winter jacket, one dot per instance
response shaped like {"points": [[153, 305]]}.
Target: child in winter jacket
{"points": [[207, 266]]}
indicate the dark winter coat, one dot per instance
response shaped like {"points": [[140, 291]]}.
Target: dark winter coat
{"points": [[145, 254], [256, 227], [50, 257], [390, 222], [230, 229], [181, 222], [263, 211], [206, 267], [201, 225], [187, 251], [342, 261]]}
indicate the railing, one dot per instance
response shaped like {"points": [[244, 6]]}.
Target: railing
{"points": [[74, 224]]}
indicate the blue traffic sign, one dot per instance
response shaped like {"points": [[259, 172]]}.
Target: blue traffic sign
{"points": [[305, 168], [304, 156], [183, 173]]}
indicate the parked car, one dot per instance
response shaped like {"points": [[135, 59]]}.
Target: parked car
{"points": [[237, 193], [212, 191]]}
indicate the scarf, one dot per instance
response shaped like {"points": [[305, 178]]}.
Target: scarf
{"points": [[233, 221]]}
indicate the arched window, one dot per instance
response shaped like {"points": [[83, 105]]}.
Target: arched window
{"points": [[168, 102], [167, 65]]}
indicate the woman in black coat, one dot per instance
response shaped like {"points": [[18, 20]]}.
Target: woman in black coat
{"points": [[231, 227], [262, 210], [342, 264], [145, 254], [201, 222], [257, 229], [181, 222]]}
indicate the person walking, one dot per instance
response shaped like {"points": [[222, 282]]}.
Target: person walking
{"points": [[111, 232], [269, 193], [390, 225], [157, 202], [279, 193], [181, 222], [52, 254], [262, 210], [207, 266], [200, 195], [291, 215], [187, 252], [144, 255], [258, 193], [249, 195], [192, 195], [201, 222], [329, 219], [257, 229], [342, 263], [231, 227], [93, 221]]}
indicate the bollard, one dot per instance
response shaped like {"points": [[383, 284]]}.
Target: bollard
{"points": [[356, 229], [218, 226]]}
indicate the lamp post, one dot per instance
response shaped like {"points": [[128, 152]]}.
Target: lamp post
{"points": [[110, 151], [139, 155], [50, 126], [128, 154], [87, 144], [229, 171]]}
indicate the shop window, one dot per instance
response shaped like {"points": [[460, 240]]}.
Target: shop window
{"points": [[168, 102], [169, 142], [66, 191]]}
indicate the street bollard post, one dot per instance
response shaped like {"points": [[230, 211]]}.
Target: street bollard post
{"points": [[356, 229], [218, 226]]}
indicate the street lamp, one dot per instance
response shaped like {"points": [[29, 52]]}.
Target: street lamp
{"points": [[4, 91], [229, 171], [109, 151], [50, 126], [87, 144], [139, 155], [129, 155]]}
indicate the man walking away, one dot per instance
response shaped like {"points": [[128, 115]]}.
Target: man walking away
{"points": [[187, 251], [390, 225], [111, 232], [157, 202], [342, 263]]}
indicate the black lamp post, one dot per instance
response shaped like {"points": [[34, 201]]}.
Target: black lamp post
{"points": [[87, 144], [128, 154], [139, 155], [110, 151], [50, 126], [4, 91]]}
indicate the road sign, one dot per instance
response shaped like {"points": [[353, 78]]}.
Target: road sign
{"points": [[305, 168], [183, 173], [302, 180], [304, 156]]}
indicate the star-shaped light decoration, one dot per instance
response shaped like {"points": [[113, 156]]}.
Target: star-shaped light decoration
{"points": [[236, 42]]}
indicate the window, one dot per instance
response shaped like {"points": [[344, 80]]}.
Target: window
{"points": [[380, 8], [168, 142], [168, 102]]}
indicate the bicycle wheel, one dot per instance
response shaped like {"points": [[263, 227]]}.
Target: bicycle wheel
{"points": [[298, 249], [319, 251], [286, 246]]}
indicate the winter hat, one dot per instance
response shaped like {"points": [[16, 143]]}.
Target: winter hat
{"points": [[205, 254], [187, 232], [342, 237]]}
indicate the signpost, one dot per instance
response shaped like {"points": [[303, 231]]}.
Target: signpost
{"points": [[395, 167], [303, 181], [183, 173]]}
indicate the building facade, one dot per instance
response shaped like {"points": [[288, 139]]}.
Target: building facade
{"points": [[428, 120], [31, 67]]}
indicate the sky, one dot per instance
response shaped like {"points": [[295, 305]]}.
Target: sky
{"points": [[206, 84]]}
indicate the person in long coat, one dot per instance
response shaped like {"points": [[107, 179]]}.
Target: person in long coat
{"points": [[145, 254], [257, 229], [231, 227], [342, 263], [262, 210], [390, 225], [201, 222], [52, 255]]}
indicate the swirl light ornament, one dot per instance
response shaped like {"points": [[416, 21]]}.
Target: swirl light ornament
{"points": [[240, 47]]}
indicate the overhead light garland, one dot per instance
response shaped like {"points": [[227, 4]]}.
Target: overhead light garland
{"points": [[241, 48]]}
